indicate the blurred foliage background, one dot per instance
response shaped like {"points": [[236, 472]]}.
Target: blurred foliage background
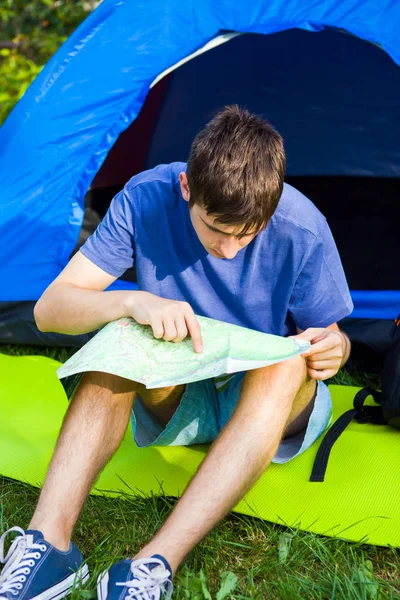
{"points": [[30, 32]]}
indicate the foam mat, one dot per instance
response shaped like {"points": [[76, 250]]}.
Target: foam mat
{"points": [[359, 499]]}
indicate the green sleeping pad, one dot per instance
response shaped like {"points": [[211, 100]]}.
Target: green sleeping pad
{"points": [[358, 501]]}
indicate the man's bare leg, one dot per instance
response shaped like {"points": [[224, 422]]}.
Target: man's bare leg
{"points": [[92, 431], [272, 399], [87, 442]]}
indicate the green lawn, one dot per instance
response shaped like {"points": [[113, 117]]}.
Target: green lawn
{"points": [[242, 558]]}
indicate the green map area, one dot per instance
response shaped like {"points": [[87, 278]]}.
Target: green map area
{"points": [[129, 350]]}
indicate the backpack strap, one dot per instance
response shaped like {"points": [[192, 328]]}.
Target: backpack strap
{"points": [[363, 414]]}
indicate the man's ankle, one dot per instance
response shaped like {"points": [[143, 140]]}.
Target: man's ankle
{"points": [[149, 551], [55, 535]]}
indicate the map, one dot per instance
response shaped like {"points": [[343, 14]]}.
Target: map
{"points": [[129, 350]]}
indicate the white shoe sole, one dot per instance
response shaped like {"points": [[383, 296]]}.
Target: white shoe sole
{"points": [[65, 587], [102, 583]]}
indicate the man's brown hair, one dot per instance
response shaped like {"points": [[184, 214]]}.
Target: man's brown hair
{"points": [[236, 169]]}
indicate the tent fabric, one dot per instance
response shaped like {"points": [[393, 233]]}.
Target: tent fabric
{"points": [[358, 500], [56, 139]]}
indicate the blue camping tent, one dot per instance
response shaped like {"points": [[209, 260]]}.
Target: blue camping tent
{"points": [[325, 76]]}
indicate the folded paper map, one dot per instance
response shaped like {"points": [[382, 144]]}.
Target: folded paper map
{"points": [[129, 350]]}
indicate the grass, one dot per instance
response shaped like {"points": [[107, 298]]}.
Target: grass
{"points": [[243, 558]]}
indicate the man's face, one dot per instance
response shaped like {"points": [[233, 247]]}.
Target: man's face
{"points": [[221, 241]]}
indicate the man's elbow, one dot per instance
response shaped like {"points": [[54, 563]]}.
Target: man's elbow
{"points": [[39, 314]]}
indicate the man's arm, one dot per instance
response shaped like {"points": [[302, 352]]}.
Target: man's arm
{"points": [[76, 303], [330, 350]]}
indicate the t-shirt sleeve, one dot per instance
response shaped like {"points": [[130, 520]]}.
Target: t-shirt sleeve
{"points": [[111, 246], [320, 295]]}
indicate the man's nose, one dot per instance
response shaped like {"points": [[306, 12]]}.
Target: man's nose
{"points": [[229, 247]]}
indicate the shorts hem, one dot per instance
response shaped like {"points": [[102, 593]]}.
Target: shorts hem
{"points": [[197, 420]]}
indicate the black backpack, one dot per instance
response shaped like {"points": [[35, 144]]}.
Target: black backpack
{"points": [[386, 411]]}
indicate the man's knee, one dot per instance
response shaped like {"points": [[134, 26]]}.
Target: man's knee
{"points": [[296, 368], [293, 369], [297, 363], [291, 377], [284, 383], [108, 382]]}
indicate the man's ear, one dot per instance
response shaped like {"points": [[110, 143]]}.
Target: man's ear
{"points": [[184, 186]]}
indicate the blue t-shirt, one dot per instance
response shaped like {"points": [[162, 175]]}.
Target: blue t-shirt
{"points": [[290, 274]]}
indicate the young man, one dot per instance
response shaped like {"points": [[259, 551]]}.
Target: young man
{"points": [[224, 238]]}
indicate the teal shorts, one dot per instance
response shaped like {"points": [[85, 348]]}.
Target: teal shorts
{"points": [[204, 410]]}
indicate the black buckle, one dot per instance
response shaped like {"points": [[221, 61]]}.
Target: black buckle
{"points": [[366, 413], [370, 414]]}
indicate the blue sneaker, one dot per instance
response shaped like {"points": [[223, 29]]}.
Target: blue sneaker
{"points": [[141, 579], [35, 570]]}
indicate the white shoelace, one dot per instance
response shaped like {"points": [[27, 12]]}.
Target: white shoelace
{"points": [[19, 561], [148, 584]]}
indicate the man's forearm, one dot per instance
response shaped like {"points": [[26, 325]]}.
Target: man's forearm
{"points": [[72, 310]]}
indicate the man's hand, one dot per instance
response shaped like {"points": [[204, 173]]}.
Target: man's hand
{"points": [[170, 320], [328, 351]]}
